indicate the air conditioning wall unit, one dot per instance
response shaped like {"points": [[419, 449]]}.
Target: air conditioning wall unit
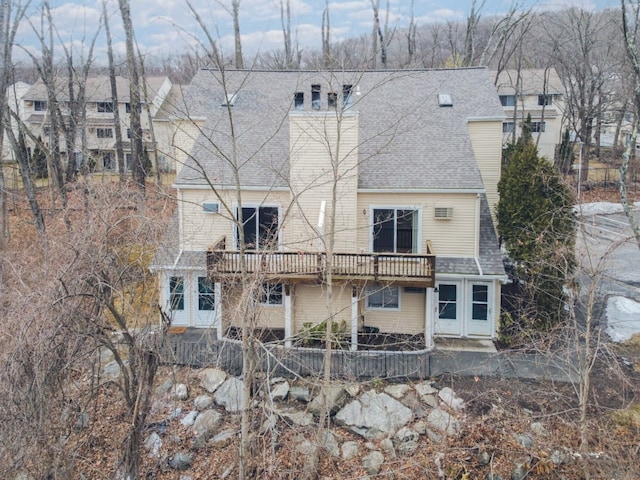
{"points": [[443, 213]]}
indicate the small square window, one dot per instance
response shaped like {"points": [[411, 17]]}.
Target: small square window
{"points": [[271, 294], [383, 298], [508, 100], [39, 106], [545, 100], [508, 127]]}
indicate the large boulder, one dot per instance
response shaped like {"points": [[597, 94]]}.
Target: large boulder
{"points": [[230, 395], [443, 422], [333, 395], [211, 379], [205, 427], [374, 415]]}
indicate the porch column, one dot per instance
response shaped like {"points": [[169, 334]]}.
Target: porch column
{"points": [[217, 295], [288, 330], [429, 320], [354, 318]]}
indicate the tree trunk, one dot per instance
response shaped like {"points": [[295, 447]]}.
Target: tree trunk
{"points": [[235, 5], [137, 150], [122, 170]]}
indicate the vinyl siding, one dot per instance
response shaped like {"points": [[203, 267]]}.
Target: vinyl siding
{"points": [[454, 237], [410, 319], [201, 230], [314, 164], [310, 305], [186, 133], [486, 138], [268, 316]]}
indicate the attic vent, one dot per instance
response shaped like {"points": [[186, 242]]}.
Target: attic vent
{"points": [[231, 100], [210, 207], [443, 213], [445, 100]]}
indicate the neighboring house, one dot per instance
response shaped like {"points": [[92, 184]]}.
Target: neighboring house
{"points": [[538, 93], [412, 161], [95, 143], [14, 96]]}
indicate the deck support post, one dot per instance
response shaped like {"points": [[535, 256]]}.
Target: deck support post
{"points": [[354, 318], [217, 295], [288, 333], [429, 320]]}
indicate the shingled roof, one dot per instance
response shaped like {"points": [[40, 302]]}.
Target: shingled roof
{"points": [[407, 139]]}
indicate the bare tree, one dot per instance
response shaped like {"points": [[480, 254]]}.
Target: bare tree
{"points": [[326, 34], [114, 96], [583, 56], [285, 19], [9, 23], [137, 149], [630, 25]]}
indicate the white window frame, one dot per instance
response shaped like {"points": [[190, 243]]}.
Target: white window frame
{"points": [[382, 308], [471, 302], [373, 208], [264, 296]]}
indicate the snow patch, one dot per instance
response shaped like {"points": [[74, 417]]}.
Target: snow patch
{"points": [[623, 318], [600, 208]]}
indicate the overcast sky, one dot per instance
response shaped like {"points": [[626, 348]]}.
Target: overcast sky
{"points": [[166, 26]]}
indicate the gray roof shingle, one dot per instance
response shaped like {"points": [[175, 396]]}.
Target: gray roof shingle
{"points": [[407, 141]]}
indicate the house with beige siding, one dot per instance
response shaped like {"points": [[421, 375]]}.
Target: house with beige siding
{"points": [[95, 136], [361, 197], [538, 93]]}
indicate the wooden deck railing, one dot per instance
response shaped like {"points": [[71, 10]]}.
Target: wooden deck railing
{"points": [[408, 268]]}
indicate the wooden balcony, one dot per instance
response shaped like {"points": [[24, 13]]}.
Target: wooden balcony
{"points": [[401, 268]]}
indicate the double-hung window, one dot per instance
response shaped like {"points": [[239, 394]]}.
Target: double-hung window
{"points": [[387, 297], [39, 106], [395, 230], [260, 228]]}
